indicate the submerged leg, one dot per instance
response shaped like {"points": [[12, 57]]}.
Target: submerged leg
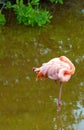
{"points": [[59, 96]]}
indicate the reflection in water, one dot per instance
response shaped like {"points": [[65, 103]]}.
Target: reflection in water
{"points": [[45, 51], [60, 118], [79, 59], [57, 121], [79, 113]]}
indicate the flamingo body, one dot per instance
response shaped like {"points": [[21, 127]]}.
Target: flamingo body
{"points": [[56, 69]]}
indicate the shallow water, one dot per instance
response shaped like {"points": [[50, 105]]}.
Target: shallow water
{"points": [[29, 105]]}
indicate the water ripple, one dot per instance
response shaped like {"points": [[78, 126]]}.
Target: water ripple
{"points": [[79, 59], [45, 51]]}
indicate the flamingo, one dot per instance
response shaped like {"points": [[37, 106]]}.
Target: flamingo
{"points": [[58, 69]]}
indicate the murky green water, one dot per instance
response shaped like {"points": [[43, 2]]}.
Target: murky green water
{"points": [[29, 105]]}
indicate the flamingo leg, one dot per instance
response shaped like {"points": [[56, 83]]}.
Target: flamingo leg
{"points": [[59, 96]]}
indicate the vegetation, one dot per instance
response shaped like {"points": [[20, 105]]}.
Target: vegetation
{"points": [[57, 1], [30, 14], [2, 19]]}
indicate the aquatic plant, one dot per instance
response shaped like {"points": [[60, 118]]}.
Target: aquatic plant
{"points": [[29, 13], [57, 1], [2, 19], [2, 16]]}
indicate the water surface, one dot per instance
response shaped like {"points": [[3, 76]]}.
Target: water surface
{"points": [[29, 105]]}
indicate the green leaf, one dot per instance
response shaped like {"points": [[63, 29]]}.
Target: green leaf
{"points": [[8, 5], [56, 1], [60, 1], [35, 2], [17, 2], [2, 19]]}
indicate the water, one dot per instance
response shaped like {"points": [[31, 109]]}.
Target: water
{"points": [[29, 105]]}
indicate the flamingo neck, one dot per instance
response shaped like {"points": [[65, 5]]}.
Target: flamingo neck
{"points": [[72, 67]]}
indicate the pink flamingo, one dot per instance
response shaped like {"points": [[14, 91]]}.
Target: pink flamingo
{"points": [[59, 69]]}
